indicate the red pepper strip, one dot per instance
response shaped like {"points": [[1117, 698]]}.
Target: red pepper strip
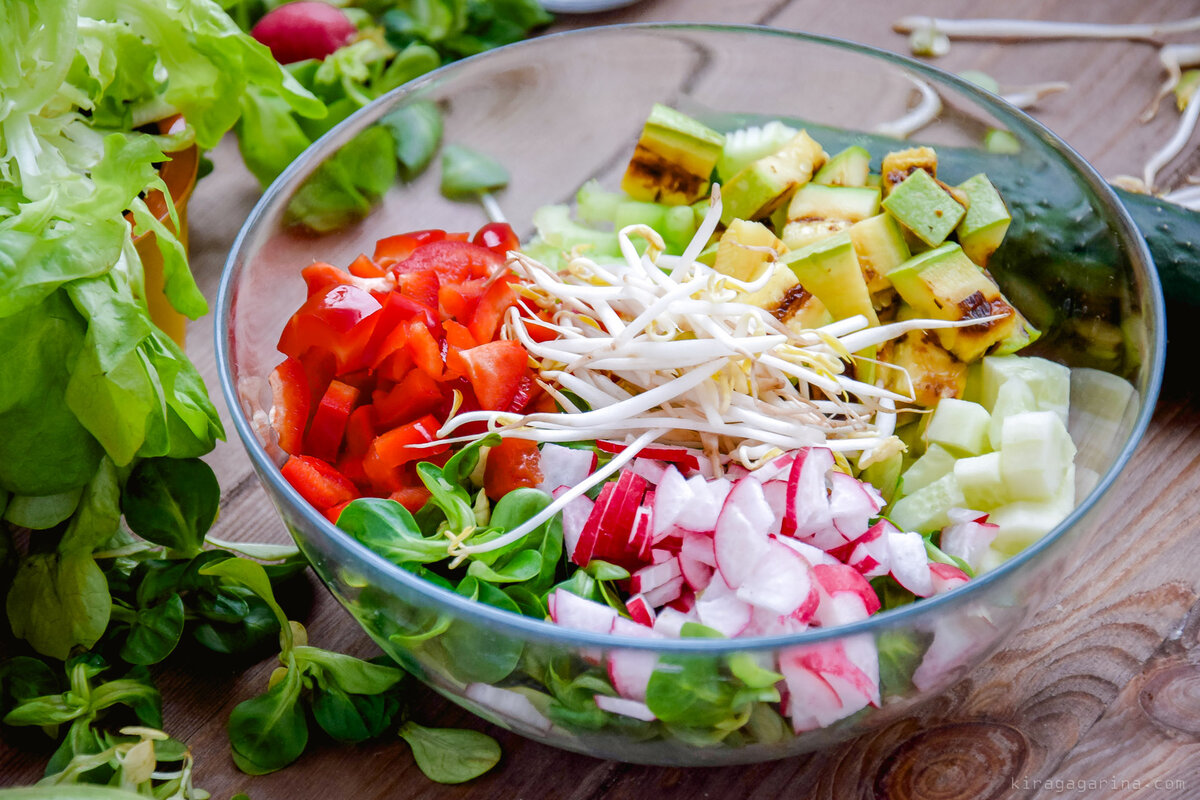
{"points": [[332, 513], [290, 404], [495, 370], [426, 351], [525, 391], [676, 455], [489, 312], [512, 464], [497, 237], [318, 482], [328, 425], [391, 450], [416, 395]]}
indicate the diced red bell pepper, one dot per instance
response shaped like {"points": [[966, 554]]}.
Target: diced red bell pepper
{"points": [[413, 498], [392, 450], [338, 320], [390, 332], [458, 300], [333, 512], [364, 267], [489, 311], [414, 396], [495, 370], [497, 237], [421, 285], [328, 426], [318, 482], [290, 404], [524, 394], [512, 464], [457, 335], [391, 250], [320, 277], [360, 431], [454, 262], [426, 351]]}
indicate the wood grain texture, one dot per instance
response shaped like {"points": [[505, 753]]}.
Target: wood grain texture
{"points": [[1102, 683]]}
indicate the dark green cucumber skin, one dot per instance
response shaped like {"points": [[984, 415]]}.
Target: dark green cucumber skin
{"points": [[1173, 234]]}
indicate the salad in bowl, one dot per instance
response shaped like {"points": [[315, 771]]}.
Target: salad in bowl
{"points": [[673, 475]]}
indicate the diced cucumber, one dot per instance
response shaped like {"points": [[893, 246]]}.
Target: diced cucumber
{"points": [[1024, 522], [1050, 382], [750, 144], [936, 462], [1035, 453], [594, 204], [850, 167], [927, 508], [558, 231], [981, 481], [885, 475], [960, 426], [1100, 404], [1014, 397]]}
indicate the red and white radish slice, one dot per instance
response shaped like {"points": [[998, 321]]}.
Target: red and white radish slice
{"points": [[630, 670], [564, 466], [807, 507], [840, 609], [869, 553], [699, 547], [740, 540], [852, 504], [509, 705], [812, 702], [838, 578], [654, 576], [687, 459], [776, 494], [640, 610], [585, 548], [720, 608], [670, 622], [777, 468], [708, 498], [910, 564], [669, 591], [969, 539], [946, 577], [672, 495], [813, 555], [956, 641], [649, 469], [660, 555], [625, 707], [617, 522], [572, 611], [696, 574], [574, 517], [782, 581]]}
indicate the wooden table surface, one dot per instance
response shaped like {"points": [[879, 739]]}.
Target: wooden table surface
{"points": [[1098, 694]]}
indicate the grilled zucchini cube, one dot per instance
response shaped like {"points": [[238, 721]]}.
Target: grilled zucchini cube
{"points": [[673, 159]]}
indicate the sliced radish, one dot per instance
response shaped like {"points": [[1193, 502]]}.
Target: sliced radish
{"points": [[776, 494], [685, 457], [672, 495], [782, 581], [708, 497], [946, 577], [640, 543], [836, 578], [630, 670], [869, 553], [813, 555], [572, 611], [840, 609], [659, 555], [640, 610], [956, 641], [565, 466], [575, 515], [664, 594], [586, 546], [625, 707], [969, 539], [670, 622], [721, 609], [510, 706], [777, 468], [654, 576], [852, 503], [696, 573], [910, 564], [617, 522], [830, 661], [648, 468], [699, 547], [736, 472], [808, 515], [685, 602], [740, 539], [812, 702]]}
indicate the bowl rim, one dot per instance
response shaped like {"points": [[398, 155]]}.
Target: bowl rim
{"points": [[530, 628]]}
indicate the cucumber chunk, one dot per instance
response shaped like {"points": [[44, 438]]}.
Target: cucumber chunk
{"points": [[1035, 454], [960, 426], [927, 509], [981, 481], [936, 462]]}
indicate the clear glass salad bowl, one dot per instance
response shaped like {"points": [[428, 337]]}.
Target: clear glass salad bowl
{"points": [[561, 109]]}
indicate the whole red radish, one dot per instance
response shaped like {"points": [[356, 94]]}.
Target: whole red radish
{"points": [[303, 29]]}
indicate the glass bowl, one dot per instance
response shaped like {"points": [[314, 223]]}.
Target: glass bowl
{"points": [[561, 109]]}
